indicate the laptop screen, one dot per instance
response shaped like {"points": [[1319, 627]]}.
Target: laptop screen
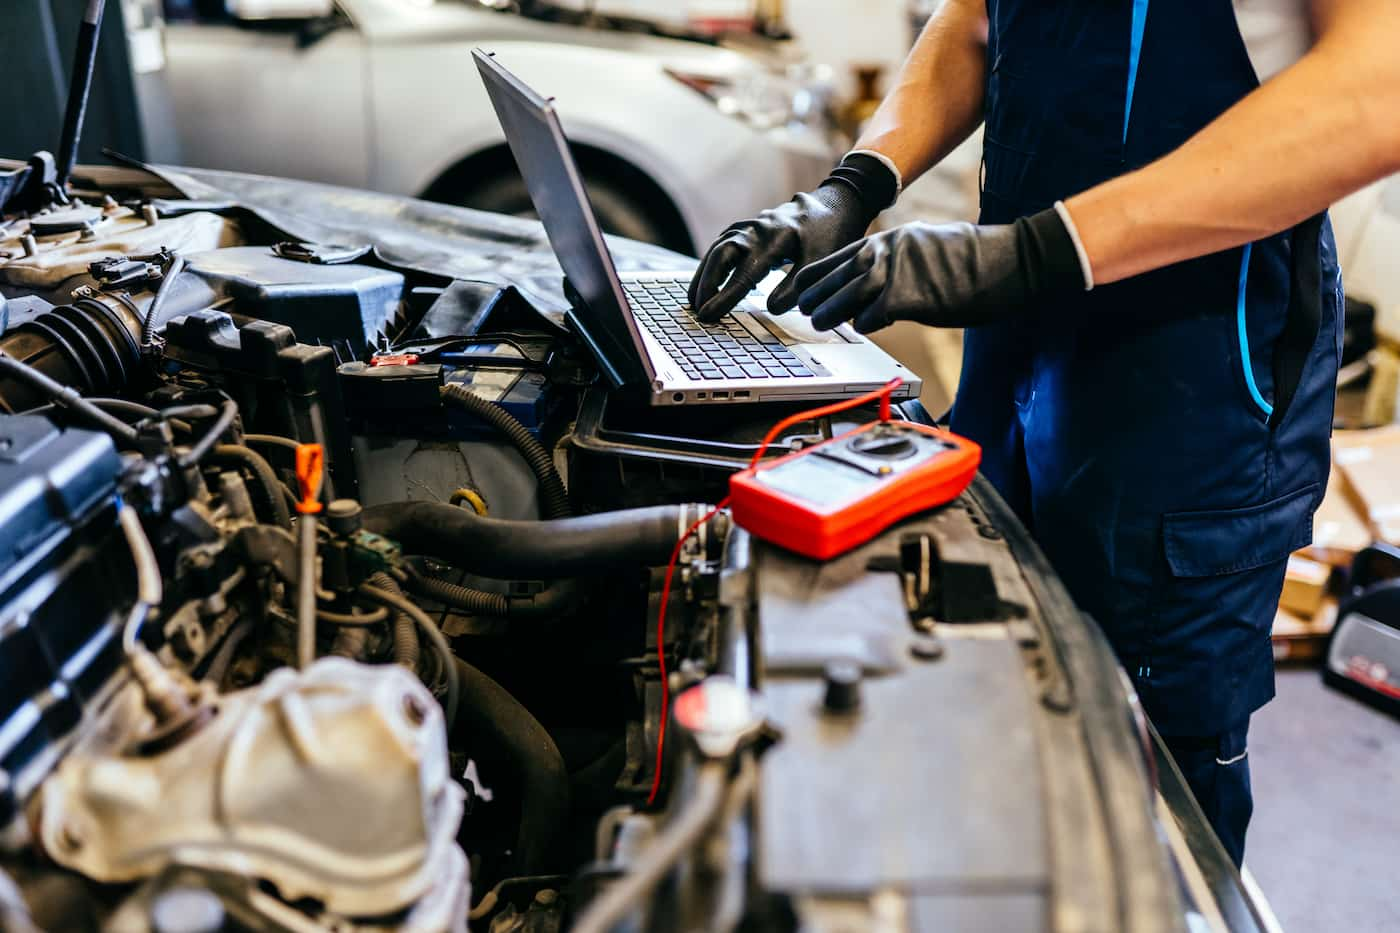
{"points": [[536, 139]]}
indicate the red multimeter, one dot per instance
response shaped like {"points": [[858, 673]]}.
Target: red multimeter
{"points": [[840, 493]]}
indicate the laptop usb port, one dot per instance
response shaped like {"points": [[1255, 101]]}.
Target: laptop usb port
{"points": [[720, 395], [742, 393]]}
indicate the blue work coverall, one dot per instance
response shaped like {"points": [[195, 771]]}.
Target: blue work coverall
{"points": [[1166, 439]]}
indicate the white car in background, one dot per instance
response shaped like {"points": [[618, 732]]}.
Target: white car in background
{"points": [[676, 137]]}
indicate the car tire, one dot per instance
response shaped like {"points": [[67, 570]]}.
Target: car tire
{"points": [[618, 212]]}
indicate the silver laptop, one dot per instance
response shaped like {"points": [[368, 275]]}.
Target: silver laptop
{"points": [[639, 326]]}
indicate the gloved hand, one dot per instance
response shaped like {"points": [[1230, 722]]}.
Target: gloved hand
{"points": [[807, 228], [949, 275]]}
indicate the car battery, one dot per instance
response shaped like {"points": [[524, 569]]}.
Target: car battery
{"points": [[409, 445], [399, 391]]}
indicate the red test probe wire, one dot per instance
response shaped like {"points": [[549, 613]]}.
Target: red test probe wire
{"points": [[881, 394]]}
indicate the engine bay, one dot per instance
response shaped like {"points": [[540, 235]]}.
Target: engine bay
{"points": [[341, 595]]}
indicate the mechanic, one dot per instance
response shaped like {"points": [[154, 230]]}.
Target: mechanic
{"points": [[1153, 305]]}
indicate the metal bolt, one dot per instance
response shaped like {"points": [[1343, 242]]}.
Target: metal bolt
{"points": [[149, 215], [82, 291], [414, 709], [926, 647], [29, 244]]}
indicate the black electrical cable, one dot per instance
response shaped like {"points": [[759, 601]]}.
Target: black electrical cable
{"points": [[406, 647], [434, 634], [379, 616], [148, 323], [556, 598], [267, 486], [124, 406], [120, 406], [195, 412], [227, 412], [271, 440], [464, 598], [554, 498], [67, 398]]}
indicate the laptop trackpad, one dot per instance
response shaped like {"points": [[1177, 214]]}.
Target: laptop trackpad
{"points": [[795, 327]]}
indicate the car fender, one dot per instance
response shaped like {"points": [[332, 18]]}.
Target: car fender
{"points": [[713, 167]]}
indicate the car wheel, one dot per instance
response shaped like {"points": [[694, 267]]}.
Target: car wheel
{"points": [[618, 212]]}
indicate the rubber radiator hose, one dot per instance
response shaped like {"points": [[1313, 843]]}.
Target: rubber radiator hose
{"points": [[510, 550], [491, 715]]}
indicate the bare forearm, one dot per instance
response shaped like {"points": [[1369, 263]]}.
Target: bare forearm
{"points": [[936, 100], [1317, 132]]}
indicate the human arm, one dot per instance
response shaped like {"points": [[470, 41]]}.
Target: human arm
{"points": [[935, 104], [1322, 129], [1318, 131], [936, 100]]}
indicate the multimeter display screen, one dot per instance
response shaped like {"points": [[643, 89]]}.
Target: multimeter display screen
{"points": [[818, 481]]}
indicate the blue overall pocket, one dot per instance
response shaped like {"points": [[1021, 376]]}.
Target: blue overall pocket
{"points": [[1224, 541]]}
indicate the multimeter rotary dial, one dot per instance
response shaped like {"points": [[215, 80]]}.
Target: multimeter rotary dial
{"points": [[884, 444]]}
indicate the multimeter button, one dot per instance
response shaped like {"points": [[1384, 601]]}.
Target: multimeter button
{"points": [[883, 444]]}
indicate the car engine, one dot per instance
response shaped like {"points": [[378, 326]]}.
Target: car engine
{"points": [[339, 593], [231, 696]]}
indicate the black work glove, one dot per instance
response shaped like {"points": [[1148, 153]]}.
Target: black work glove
{"points": [[807, 228], [948, 275]]}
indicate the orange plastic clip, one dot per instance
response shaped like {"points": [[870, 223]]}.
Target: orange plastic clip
{"points": [[311, 461]]}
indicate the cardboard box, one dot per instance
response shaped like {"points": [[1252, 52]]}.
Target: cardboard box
{"points": [[1304, 586], [1303, 638], [1369, 462], [1338, 530]]}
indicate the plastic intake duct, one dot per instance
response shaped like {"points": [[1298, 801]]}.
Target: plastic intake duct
{"points": [[90, 345], [93, 344]]}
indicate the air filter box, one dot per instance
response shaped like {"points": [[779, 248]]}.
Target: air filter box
{"points": [[341, 305]]}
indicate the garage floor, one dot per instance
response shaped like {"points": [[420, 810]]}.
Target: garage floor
{"points": [[1325, 841]]}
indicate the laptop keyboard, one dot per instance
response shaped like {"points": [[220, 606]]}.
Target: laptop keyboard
{"points": [[725, 350]]}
